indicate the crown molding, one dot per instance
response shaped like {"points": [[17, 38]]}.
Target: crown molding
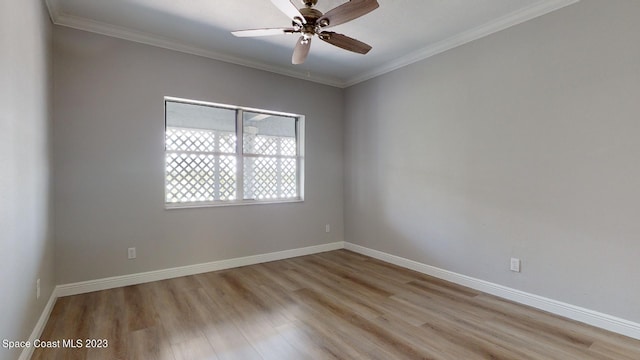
{"points": [[54, 9], [58, 17], [517, 17], [540, 8]]}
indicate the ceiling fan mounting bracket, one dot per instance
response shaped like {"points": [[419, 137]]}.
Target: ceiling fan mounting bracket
{"points": [[309, 3], [310, 14]]}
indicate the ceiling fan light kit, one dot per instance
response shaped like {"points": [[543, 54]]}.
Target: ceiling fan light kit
{"points": [[309, 21]]}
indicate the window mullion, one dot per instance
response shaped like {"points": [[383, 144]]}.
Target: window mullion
{"points": [[239, 156], [299, 155], [216, 165], [279, 191]]}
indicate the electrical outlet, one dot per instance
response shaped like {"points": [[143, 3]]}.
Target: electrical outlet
{"points": [[132, 253], [515, 264], [37, 289], [327, 228]]}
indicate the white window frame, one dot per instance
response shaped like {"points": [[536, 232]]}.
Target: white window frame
{"points": [[240, 156]]}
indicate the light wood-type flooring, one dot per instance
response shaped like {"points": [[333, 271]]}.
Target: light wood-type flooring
{"points": [[334, 305]]}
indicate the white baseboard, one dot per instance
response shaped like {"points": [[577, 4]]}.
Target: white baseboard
{"points": [[597, 319], [140, 278], [37, 330], [604, 321]]}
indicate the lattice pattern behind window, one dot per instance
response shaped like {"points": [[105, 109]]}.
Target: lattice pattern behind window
{"points": [[179, 139], [288, 146], [223, 154], [201, 165], [289, 174], [271, 172], [262, 145], [227, 142]]}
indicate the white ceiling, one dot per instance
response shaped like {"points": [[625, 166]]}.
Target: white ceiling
{"points": [[400, 31]]}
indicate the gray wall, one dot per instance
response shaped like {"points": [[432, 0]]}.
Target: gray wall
{"points": [[26, 244], [525, 144], [108, 155]]}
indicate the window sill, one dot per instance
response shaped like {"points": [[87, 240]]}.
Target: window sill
{"points": [[177, 206]]}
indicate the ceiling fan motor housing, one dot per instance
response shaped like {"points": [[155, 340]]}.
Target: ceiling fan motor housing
{"points": [[311, 16]]}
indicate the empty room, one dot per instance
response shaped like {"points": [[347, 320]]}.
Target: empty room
{"points": [[320, 179]]}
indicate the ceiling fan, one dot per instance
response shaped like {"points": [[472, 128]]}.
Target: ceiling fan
{"points": [[309, 22]]}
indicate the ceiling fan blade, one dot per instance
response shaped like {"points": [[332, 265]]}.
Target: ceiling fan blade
{"points": [[348, 11], [301, 50], [344, 42], [263, 32], [290, 10]]}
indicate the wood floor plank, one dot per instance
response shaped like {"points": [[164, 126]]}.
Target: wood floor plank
{"points": [[225, 337], [140, 313], [77, 319], [421, 337], [331, 339], [175, 316], [371, 277], [326, 317], [305, 344], [334, 305], [197, 348], [276, 272], [615, 350], [276, 301], [554, 347], [250, 315], [149, 343], [110, 326], [332, 288]]}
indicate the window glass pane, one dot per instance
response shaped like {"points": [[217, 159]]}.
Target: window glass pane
{"points": [[260, 178], [200, 144], [289, 188], [270, 178], [269, 134], [195, 116], [269, 141], [183, 139], [190, 177]]}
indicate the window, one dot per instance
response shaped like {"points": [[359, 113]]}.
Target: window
{"points": [[205, 164]]}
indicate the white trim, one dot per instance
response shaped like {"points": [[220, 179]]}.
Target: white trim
{"points": [[145, 277], [54, 9], [140, 278], [230, 107], [60, 18], [540, 8], [598, 319], [604, 321], [37, 330], [223, 203], [239, 155]]}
